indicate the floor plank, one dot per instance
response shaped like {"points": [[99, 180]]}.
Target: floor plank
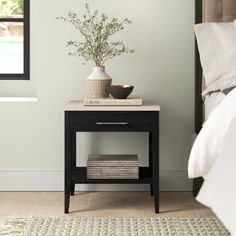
{"points": [[100, 204]]}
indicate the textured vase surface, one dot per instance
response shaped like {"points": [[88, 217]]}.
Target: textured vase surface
{"points": [[98, 83]]}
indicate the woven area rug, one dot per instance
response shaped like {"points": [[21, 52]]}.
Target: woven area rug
{"points": [[113, 226]]}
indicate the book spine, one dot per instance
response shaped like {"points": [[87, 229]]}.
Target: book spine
{"points": [[115, 102], [94, 164], [113, 169], [112, 176]]}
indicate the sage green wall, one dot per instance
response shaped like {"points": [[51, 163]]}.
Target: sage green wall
{"points": [[31, 134]]}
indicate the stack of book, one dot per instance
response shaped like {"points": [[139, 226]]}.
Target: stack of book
{"points": [[112, 167], [113, 102]]}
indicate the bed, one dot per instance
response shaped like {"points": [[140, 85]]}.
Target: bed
{"points": [[207, 11], [213, 153]]}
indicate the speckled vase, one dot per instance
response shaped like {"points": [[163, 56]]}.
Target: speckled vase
{"points": [[98, 83]]}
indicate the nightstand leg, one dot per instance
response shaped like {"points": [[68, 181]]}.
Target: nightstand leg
{"points": [[72, 188], [66, 202], [156, 196], [155, 153], [67, 188], [70, 159], [150, 158], [73, 159], [151, 189]]}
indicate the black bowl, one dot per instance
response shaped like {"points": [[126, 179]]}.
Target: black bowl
{"points": [[121, 91]]}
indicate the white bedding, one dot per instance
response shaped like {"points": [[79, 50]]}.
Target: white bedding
{"points": [[212, 100], [213, 156]]}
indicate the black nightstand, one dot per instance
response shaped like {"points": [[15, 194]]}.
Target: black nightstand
{"points": [[79, 118]]}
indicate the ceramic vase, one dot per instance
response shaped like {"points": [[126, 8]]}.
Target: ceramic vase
{"points": [[98, 83]]}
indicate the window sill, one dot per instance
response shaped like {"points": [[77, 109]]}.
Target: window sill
{"points": [[18, 99], [14, 77]]}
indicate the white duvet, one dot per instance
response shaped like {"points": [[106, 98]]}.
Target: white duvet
{"points": [[213, 156]]}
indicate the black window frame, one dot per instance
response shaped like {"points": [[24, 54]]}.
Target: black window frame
{"points": [[26, 53]]}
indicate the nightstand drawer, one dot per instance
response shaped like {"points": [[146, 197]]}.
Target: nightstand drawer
{"points": [[111, 121]]}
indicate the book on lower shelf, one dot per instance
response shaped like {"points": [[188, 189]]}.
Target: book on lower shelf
{"points": [[113, 167], [113, 102]]}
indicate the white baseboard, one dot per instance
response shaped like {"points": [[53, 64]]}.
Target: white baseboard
{"points": [[53, 180]]}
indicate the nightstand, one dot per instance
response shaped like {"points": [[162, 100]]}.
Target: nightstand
{"points": [[80, 118]]}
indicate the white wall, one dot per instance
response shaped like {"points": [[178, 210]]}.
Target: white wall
{"points": [[31, 134]]}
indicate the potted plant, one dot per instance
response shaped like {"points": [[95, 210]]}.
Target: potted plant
{"points": [[96, 46]]}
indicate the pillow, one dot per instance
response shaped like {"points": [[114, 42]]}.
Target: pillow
{"points": [[217, 48]]}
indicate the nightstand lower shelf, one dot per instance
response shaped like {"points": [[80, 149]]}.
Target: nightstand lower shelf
{"points": [[79, 176]]}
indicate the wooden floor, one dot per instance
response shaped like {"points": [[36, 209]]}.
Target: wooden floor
{"points": [[100, 204]]}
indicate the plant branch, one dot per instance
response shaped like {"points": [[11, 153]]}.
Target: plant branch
{"points": [[96, 32]]}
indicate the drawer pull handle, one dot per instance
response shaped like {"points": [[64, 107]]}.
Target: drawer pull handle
{"points": [[112, 123]]}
